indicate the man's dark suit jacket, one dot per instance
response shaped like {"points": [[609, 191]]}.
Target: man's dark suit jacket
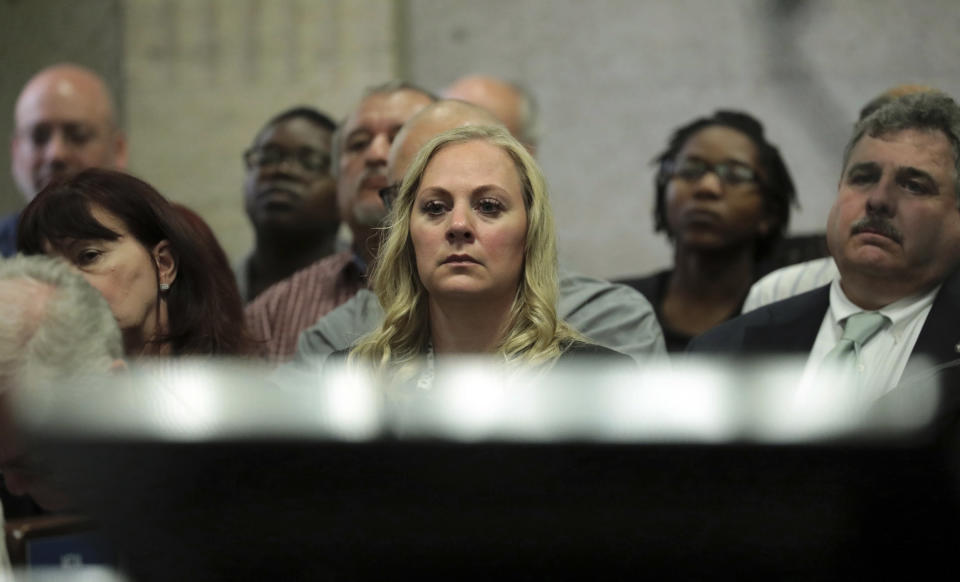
{"points": [[791, 326]]}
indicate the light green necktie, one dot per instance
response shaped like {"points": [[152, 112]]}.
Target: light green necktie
{"points": [[839, 367], [859, 328]]}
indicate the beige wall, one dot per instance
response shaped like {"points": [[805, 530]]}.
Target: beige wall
{"points": [[197, 78], [615, 77], [204, 75]]}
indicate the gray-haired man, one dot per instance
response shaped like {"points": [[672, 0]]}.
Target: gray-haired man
{"points": [[54, 328], [894, 232]]}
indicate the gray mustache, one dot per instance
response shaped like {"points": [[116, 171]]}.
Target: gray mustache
{"points": [[878, 225]]}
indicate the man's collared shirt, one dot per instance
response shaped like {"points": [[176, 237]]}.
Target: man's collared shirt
{"points": [[883, 357], [789, 281], [278, 315]]}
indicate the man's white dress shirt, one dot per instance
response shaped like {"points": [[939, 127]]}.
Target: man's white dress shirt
{"points": [[883, 358]]}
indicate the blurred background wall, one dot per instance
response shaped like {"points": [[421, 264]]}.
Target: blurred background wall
{"points": [[196, 79]]}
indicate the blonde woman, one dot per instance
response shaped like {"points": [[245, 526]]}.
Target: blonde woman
{"points": [[469, 264]]}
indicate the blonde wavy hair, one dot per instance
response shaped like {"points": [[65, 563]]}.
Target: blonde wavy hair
{"points": [[534, 333]]}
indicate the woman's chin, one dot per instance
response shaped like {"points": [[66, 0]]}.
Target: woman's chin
{"points": [[467, 291]]}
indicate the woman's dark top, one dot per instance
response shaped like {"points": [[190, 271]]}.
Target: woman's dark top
{"points": [[575, 350], [654, 288], [578, 349]]}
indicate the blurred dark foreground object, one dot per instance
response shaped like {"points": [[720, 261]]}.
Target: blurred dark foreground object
{"points": [[59, 541], [415, 497]]}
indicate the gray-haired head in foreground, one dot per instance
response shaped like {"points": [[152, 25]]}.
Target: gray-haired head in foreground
{"points": [[66, 333], [927, 111]]}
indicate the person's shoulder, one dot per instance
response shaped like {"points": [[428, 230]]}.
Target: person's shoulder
{"points": [[8, 234], [612, 314], [326, 269], [577, 289], [8, 221], [579, 349], [311, 276], [649, 285], [790, 281], [728, 335], [361, 313], [341, 327]]}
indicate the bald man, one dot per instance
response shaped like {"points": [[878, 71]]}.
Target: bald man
{"points": [[510, 103], [431, 121], [64, 122], [612, 315]]}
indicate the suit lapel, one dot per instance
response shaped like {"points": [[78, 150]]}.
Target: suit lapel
{"points": [[940, 337], [939, 340], [792, 325]]}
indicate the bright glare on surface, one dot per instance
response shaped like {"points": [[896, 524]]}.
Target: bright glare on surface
{"points": [[695, 403], [189, 402], [350, 405], [702, 401]]}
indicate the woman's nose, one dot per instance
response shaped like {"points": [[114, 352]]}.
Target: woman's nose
{"points": [[460, 226]]}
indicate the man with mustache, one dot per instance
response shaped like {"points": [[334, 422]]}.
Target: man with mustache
{"points": [[65, 122], [801, 277], [360, 148], [290, 198], [894, 232]]}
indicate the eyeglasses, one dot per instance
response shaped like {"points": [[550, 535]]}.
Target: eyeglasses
{"points": [[310, 160], [389, 194], [730, 173]]}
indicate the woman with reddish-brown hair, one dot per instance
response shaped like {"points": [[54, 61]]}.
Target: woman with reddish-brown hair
{"points": [[164, 276]]}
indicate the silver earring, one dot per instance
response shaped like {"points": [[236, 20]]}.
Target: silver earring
{"points": [[164, 286]]}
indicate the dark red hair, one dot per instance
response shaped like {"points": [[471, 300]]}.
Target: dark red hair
{"points": [[205, 311]]}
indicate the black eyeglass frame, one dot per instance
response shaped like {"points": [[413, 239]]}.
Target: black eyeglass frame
{"points": [[725, 171], [262, 157]]}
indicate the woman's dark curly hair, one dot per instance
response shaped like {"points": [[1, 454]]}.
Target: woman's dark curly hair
{"points": [[205, 311], [777, 186]]}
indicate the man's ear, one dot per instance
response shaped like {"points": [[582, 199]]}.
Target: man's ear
{"points": [[117, 366], [165, 261]]}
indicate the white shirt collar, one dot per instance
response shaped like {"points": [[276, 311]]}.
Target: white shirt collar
{"points": [[899, 313]]}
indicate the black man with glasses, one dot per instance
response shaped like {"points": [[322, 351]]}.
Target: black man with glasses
{"points": [[360, 147], [290, 198], [723, 197]]}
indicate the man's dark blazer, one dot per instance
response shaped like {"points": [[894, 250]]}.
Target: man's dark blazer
{"points": [[791, 326]]}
